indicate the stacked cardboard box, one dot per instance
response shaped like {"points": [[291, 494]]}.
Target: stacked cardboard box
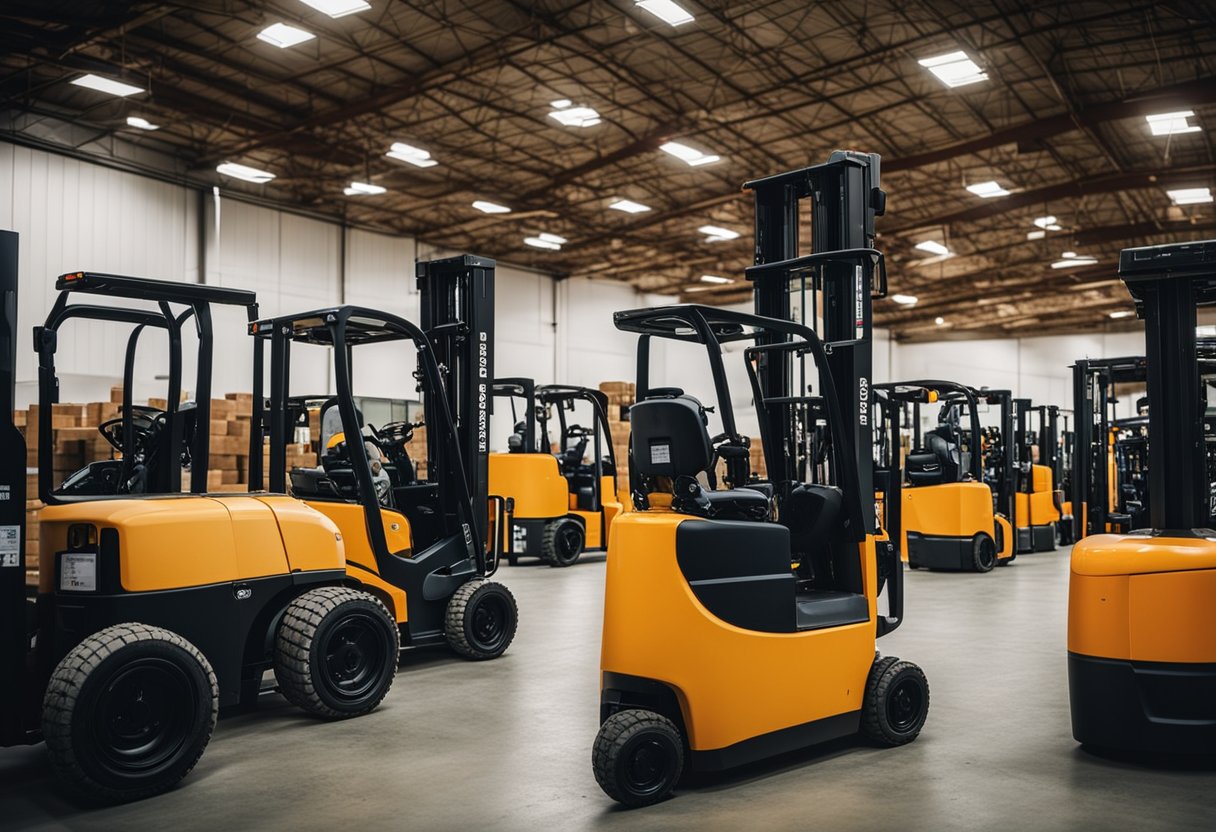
{"points": [[416, 448], [620, 398]]}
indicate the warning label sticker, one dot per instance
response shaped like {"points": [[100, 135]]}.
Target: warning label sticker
{"points": [[10, 547], [660, 454]]}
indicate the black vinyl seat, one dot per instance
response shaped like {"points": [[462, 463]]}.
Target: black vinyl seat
{"points": [[938, 462], [669, 438]]}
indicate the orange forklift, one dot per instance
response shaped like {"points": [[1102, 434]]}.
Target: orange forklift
{"points": [[557, 503]]}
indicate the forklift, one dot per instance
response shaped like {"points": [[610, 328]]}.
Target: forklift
{"points": [[157, 608], [1039, 504], [952, 517], [1108, 472], [556, 501], [1141, 645], [741, 623]]}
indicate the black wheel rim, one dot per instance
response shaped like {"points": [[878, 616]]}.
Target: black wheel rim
{"points": [[143, 716], [904, 704], [355, 656], [648, 765], [488, 623], [569, 543], [987, 553]]}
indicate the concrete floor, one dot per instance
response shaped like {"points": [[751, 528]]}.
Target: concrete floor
{"points": [[506, 745]]}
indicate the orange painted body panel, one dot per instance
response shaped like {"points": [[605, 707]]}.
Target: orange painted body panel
{"points": [[732, 684], [1142, 598], [534, 481], [310, 538], [1042, 505], [953, 509]]}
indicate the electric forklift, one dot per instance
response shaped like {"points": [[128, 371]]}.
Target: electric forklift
{"points": [[556, 501], [952, 517], [741, 623], [1141, 645], [1039, 505]]}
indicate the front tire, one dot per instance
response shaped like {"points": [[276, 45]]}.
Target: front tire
{"points": [[481, 619], [638, 757], [336, 652], [128, 712], [896, 702], [983, 552], [563, 542]]}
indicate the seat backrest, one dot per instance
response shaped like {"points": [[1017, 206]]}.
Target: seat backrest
{"points": [[811, 513], [331, 421], [669, 437], [516, 442]]}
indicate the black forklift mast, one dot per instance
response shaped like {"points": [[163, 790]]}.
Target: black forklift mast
{"points": [[559, 394], [1168, 283], [845, 197], [457, 306], [14, 610], [1005, 490]]}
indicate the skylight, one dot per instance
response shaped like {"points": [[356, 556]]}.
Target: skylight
{"points": [[987, 190], [1171, 124], [245, 172], [689, 155], [487, 207], [571, 116], [933, 247], [905, 300], [666, 10], [108, 85], [715, 233], [954, 69], [363, 189], [715, 278], [141, 123], [338, 8], [416, 156], [283, 36], [1190, 196], [629, 206]]}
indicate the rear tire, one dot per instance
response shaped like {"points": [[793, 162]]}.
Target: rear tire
{"points": [[336, 652], [896, 702], [638, 757], [983, 552], [481, 619], [563, 542], [128, 712]]}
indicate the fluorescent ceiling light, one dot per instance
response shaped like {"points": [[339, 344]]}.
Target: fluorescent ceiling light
{"points": [[561, 103], [141, 123], [283, 36], [713, 278], [576, 116], [245, 172], [940, 321], [363, 189], [101, 84], [541, 242], [933, 247], [689, 155], [338, 8], [490, 207], [715, 233], [1122, 313], [1171, 124], [905, 300], [552, 238], [666, 10], [1205, 331], [629, 206], [416, 156], [954, 69], [987, 190], [1036, 235], [1070, 259], [1190, 196], [1048, 223]]}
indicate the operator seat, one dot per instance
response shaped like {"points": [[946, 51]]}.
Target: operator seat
{"points": [[669, 438], [938, 462], [516, 442]]}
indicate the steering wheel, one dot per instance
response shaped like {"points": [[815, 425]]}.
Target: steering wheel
{"points": [[578, 431], [396, 433], [145, 421]]}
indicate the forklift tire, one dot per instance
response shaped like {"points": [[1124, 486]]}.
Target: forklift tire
{"points": [[563, 542], [481, 619], [128, 712], [336, 652], [638, 757], [983, 552], [895, 703]]}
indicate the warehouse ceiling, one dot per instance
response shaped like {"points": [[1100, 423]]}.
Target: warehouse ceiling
{"points": [[1054, 113]]}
